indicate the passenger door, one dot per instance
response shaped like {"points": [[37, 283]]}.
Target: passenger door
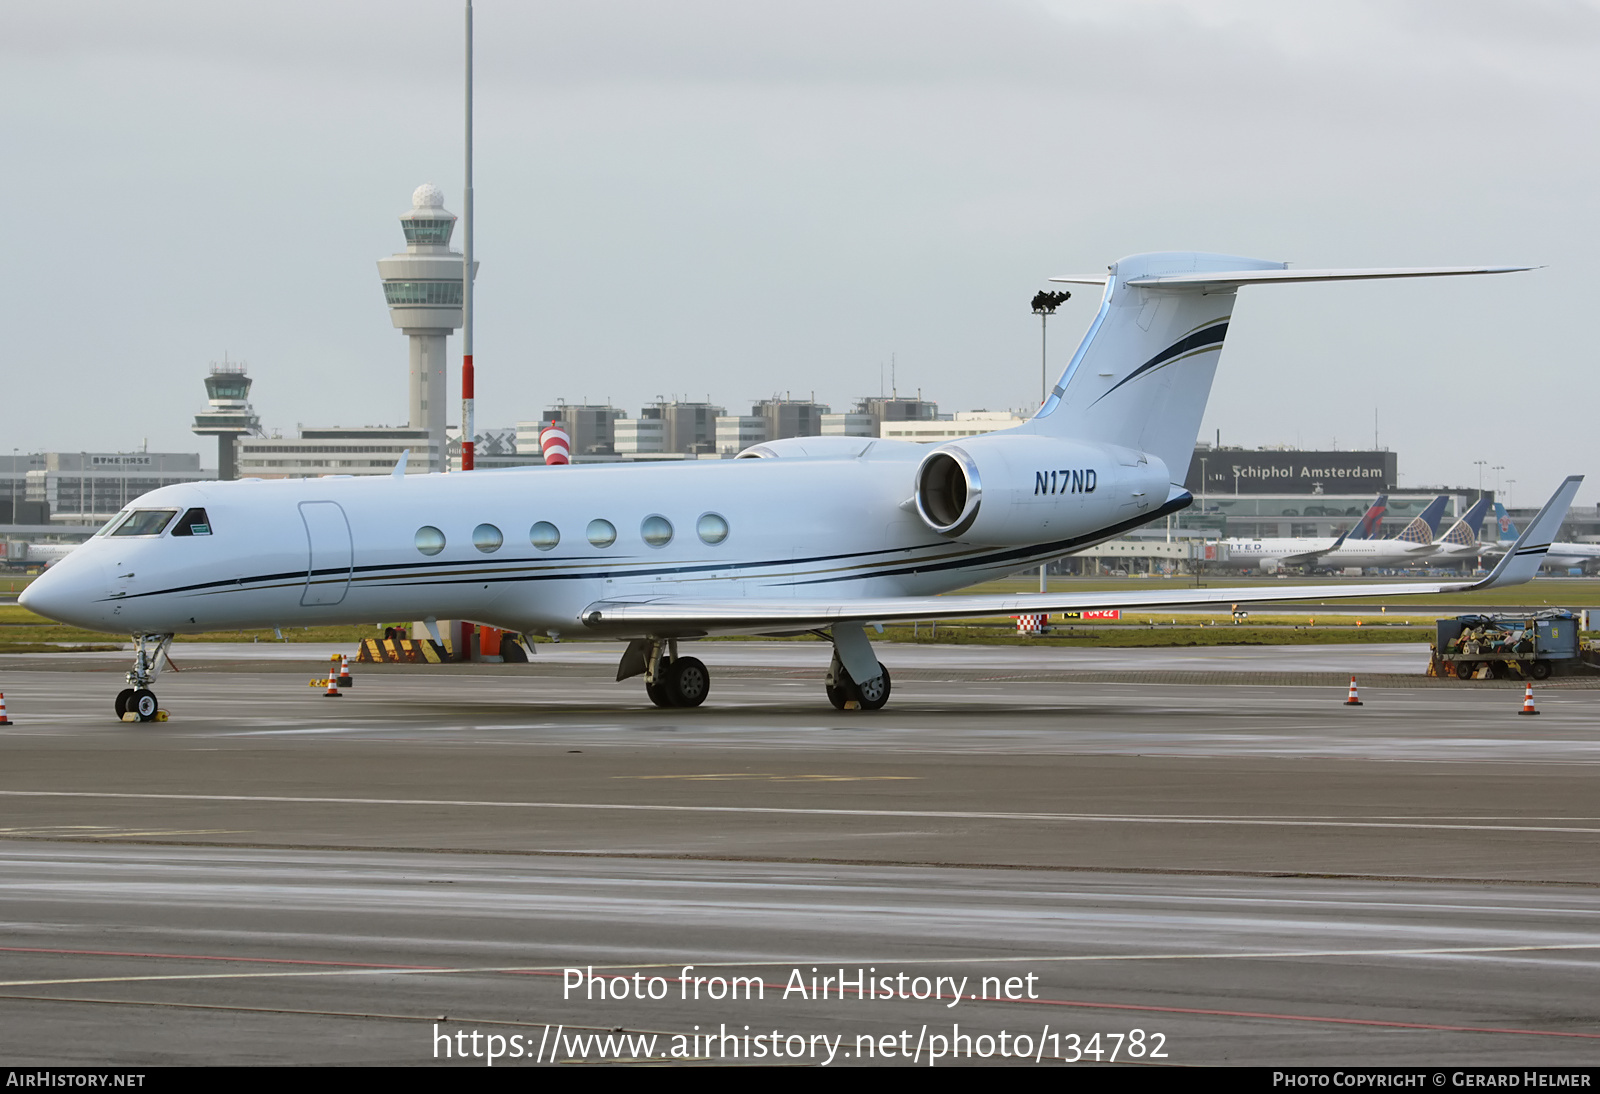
{"points": [[330, 553]]}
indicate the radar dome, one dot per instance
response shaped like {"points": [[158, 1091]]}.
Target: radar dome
{"points": [[427, 196]]}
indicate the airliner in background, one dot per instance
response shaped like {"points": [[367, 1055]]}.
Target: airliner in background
{"points": [[823, 535], [1559, 556], [1411, 545]]}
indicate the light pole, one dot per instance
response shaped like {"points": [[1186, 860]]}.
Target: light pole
{"points": [[468, 379], [1045, 303], [1480, 464]]}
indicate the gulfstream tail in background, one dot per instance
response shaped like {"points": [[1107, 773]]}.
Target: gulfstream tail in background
{"points": [[822, 534]]}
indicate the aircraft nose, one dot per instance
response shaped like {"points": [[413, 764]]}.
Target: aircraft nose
{"points": [[65, 594]]}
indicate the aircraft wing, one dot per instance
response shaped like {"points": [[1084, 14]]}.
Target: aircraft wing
{"points": [[690, 616]]}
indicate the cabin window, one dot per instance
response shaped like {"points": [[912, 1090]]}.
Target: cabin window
{"points": [[656, 530], [602, 533], [487, 538], [145, 522], [712, 528], [544, 536], [194, 523], [430, 541]]}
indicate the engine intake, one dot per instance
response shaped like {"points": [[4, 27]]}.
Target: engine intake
{"points": [[949, 491]]}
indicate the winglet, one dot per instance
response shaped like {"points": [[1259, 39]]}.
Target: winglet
{"points": [[1522, 559], [399, 471]]}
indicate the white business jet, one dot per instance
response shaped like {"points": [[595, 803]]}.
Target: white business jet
{"points": [[822, 535]]}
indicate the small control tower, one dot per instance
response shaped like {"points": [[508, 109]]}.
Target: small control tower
{"points": [[422, 287], [230, 416]]}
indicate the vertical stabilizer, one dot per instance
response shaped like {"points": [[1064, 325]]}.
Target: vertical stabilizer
{"points": [[1464, 532], [1425, 526], [1506, 530], [1143, 373], [1372, 519]]}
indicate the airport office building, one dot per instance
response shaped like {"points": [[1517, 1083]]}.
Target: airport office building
{"points": [[78, 489]]}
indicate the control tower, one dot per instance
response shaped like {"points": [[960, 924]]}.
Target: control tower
{"points": [[230, 416], [422, 286]]}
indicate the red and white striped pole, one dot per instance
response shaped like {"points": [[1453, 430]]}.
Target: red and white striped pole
{"points": [[468, 425], [555, 445]]}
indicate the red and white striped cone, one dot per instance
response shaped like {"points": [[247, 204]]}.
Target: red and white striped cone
{"points": [[555, 445], [344, 671], [333, 687], [4, 721], [1355, 698], [1527, 703]]}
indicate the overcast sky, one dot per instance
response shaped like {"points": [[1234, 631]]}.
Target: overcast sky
{"points": [[735, 198]]}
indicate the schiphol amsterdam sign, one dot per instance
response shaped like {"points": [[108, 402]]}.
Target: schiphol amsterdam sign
{"points": [[1244, 472]]}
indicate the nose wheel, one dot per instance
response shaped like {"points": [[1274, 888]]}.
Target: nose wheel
{"points": [[149, 651]]}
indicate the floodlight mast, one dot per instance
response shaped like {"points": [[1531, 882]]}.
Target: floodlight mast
{"points": [[468, 425], [1045, 304]]}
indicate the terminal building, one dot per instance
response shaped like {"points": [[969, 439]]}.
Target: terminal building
{"points": [[1269, 492], [88, 488]]}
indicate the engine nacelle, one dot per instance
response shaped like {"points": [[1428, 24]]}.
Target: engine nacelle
{"points": [[1008, 490]]}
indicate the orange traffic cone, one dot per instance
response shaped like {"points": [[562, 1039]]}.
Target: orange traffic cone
{"points": [[1354, 700], [333, 687], [1527, 703], [4, 721], [344, 671]]}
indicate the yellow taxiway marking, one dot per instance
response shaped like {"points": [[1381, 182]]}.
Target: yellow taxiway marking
{"points": [[109, 832], [767, 777]]}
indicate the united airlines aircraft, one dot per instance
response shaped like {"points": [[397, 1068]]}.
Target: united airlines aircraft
{"points": [[824, 535]]}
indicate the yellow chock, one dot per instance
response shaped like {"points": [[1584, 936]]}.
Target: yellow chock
{"points": [[161, 716], [130, 716], [851, 704]]}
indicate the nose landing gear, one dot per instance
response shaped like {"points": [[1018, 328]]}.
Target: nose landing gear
{"points": [[149, 651]]}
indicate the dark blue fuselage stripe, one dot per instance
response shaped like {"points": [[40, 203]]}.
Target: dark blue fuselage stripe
{"points": [[972, 561]]}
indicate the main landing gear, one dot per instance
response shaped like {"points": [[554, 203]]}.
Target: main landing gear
{"points": [[669, 680], [137, 699], [856, 679]]}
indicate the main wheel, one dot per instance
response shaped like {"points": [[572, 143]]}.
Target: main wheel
{"points": [[124, 697], [871, 697], [658, 694], [875, 694], [1540, 670], [143, 703], [687, 682]]}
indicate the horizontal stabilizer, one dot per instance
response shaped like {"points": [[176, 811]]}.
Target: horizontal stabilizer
{"points": [[1256, 277]]}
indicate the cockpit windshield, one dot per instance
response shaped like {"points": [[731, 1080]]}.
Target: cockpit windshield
{"points": [[144, 522], [108, 526], [194, 523]]}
